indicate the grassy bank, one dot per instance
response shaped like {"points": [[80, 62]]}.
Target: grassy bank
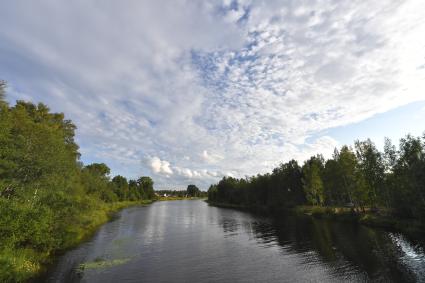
{"points": [[382, 219], [19, 264]]}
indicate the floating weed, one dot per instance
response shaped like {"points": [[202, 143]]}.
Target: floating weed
{"points": [[121, 241], [99, 263]]}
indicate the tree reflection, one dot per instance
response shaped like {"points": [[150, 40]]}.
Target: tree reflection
{"points": [[344, 247]]}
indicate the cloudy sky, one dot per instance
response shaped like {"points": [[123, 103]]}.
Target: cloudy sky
{"points": [[188, 91]]}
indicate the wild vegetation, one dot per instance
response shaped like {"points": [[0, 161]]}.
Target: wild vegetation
{"points": [[360, 179], [49, 200]]}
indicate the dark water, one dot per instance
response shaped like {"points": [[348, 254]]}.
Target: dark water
{"points": [[189, 241]]}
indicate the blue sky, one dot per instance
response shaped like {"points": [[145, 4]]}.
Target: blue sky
{"points": [[190, 91]]}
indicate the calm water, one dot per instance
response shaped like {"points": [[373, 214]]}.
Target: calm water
{"points": [[189, 241]]}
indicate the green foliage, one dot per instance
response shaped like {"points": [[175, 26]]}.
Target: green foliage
{"points": [[99, 169], [48, 199], [34, 223], [95, 179], [392, 181], [372, 168], [193, 191], [145, 186], [17, 265], [282, 188], [347, 162], [312, 180], [120, 186], [407, 179], [212, 193]]}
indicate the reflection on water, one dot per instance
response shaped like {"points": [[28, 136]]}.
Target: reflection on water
{"points": [[347, 249], [189, 241]]}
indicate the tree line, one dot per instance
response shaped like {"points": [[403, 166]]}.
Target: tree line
{"points": [[359, 177], [48, 198], [191, 191]]}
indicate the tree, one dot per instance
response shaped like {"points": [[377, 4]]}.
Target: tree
{"points": [[121, 187], [408, 193], [332, 183], [390, 158], [146, 187], [95, 179], [372, 168], [347, 163], [312, 180], [193, 191], [390, 155], [212, 193], [286, 186], [100, 169], [133, 189]]}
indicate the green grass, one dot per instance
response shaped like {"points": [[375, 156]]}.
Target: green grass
{"points": [[17, 265]]}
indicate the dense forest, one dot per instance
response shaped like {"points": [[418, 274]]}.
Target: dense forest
{"points": [[361, 178], [48, 199]]}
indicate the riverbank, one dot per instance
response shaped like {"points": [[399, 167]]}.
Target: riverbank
{"points": [[382, 219], [22, 264]]}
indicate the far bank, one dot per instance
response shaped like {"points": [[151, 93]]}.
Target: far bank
{"points": [[377, 219]]}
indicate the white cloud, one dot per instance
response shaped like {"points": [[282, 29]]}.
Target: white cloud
{"points": [[210, 158], [160, 166], [211, 88]]}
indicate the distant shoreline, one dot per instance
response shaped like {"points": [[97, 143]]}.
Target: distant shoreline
{"points": [[179, 198]]}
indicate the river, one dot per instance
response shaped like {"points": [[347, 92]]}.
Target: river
{"points": [[190, 241]]}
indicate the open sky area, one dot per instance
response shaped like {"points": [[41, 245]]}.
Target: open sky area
{"points": [[191, 91]]}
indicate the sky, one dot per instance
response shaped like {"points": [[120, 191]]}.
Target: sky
{"points": [[189, 91]]}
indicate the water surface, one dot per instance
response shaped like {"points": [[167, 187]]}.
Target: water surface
{"points": [[190, 241]]}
